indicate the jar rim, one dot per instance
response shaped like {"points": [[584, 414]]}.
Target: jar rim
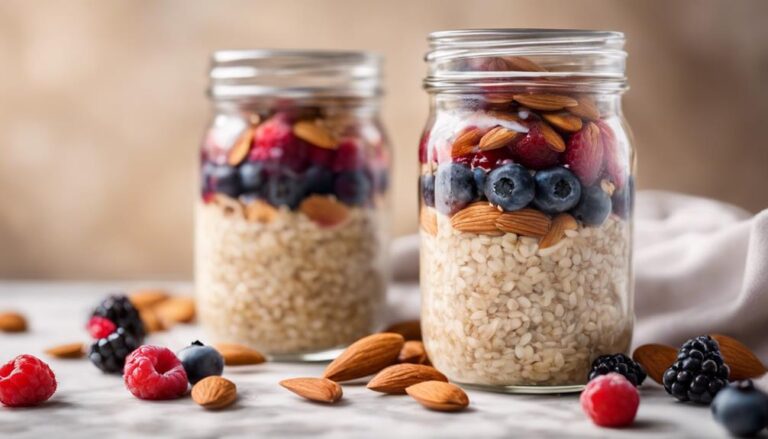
{"points": [[285, 73]]}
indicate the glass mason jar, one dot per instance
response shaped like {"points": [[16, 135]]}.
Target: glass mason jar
{"points": [[290, 234], [526, 193]]}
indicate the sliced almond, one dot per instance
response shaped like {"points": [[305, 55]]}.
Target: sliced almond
{"points": [[744, 364], [438, 395], [315, 133], [479, 217], [152, 322], [259, 211], [12, 322], [546, 102], [554, 141], [564, 121], [525, 222], [556, 232], [229, 206], [522, 64], [241, 148], [69, 350], [409, 329], [239, 355], [148, 298], [324, 210], [585, 108], [214, 393], [179, 309], [413, 352], [396, 378], [655, 359], [465, 142], [497, 138], [365, 357], [428, 220], [314, 389]]}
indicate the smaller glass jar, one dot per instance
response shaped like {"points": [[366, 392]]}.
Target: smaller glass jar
{"points": [[526, 193], [290, 234]]}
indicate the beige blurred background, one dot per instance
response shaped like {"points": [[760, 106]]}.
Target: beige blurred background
{"points": [[102, 107]]}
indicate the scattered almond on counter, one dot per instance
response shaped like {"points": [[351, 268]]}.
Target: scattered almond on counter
{"points": [[655, 359], [395, 379], [239, 355], [69, 350], [413, 352], [214, 393], [439, 395], [148, 298], [12, 322], [743, 363], [179, 309], [365, 357], [314, 389]]}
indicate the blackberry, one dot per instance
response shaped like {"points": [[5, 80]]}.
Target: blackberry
{"points": [[121, 312], [620, 364], [109, 353], [698, 373]]}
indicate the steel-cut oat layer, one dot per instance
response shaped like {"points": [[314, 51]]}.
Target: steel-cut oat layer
{"points": [[288, 286], [496, 310]]}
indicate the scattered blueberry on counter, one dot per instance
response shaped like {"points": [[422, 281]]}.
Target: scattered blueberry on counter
{"points": [[741, 408], [201, 361]]}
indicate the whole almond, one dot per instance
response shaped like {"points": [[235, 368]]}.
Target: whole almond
{"points": [[239, 355], [315, 133], [12, 322], [69, 350], [365, 357], [554, 141], [259, 211], [655, 359], [546, 102], [497, 137], [409, 329], [479, 217], [503, 115], [395, 379], [743, 363], [438, 395], [413, 352], [428, 220], [567, 122], [522, 64], [465, 142], [148, 298], [324, 210], [585, 108], [556, 232], [152, 322], [179, 309], [314, 389], [214, 392], [525, 222], [241, 148]]}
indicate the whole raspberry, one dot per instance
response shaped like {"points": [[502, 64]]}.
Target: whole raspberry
{"points": [[100, 327], [349, 156], [154, 373], [490, 160], [615, 163], [533, 152], [275, 144], [26, 381], [610, 401], [584, 154]]}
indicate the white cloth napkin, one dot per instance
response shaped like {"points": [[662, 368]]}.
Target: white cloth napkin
{"points": [[701, 267]]}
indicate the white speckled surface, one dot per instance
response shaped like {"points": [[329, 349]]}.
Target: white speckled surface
{"points": [[90, 404]]}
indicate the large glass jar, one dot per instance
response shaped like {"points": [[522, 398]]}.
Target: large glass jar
{"points": [[290, 234], [526, 193]]}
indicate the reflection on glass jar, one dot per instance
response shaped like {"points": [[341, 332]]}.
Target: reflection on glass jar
{"points": [[526, 193], [290, 231]]}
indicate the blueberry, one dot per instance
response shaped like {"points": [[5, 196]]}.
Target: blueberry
{"points": [[557, 190], [225, 179], [510, 186], [427, 184], [352, 187], [594, 206], [480, 176], [252, 177], [454, 188], [741, 408], [206, 174], [284, 188], [200, 361], [318, 180], [624, 199]]}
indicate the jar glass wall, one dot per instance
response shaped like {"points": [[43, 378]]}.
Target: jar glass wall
{"points": [[290, 233], [526, 193]]}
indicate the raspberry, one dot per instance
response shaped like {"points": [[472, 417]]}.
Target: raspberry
{"points": [[610, 400], [275, 144], [490, 160], [100, 327], [26, 381], [584, 154], [533, 152], [154, 372], [349, 156], [423, 145], [613, 158]]}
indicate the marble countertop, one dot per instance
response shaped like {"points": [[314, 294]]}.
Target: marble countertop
{"points": [[91, 404]]}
